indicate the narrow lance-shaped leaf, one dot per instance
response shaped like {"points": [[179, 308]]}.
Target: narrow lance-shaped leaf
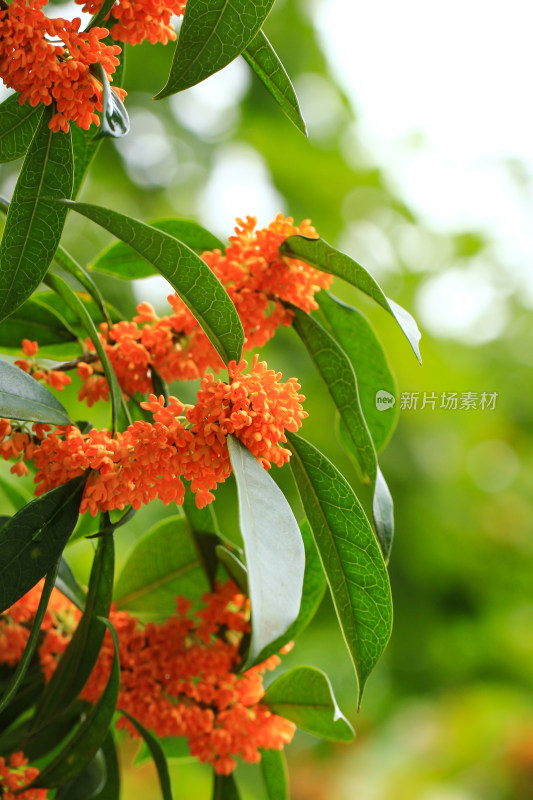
{"points": [[234, 567], [213, 33], [350, 555], [158, 756], [17, 126], [32, 540], [31, 644], [34, 222], [304, 695], [265, 62], [323, 256], [72, 300], [195, 283], [34, 321], [114, 122], [88, 783], [81, 654], [111, 790], [275, 774], [83, 745], [162, 565], [275, 556], [225, 788], [67, 584], [121, 261], [375, 381], [22, 397], [338, 375], [69, 264]]}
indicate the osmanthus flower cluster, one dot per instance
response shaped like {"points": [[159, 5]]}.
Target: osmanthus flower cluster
{"points": [[178, 678], [51, 61], [137, 20], [14, 775], [149, 459]]}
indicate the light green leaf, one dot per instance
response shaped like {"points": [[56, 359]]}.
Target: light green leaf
{"points": [[213, 33], [350, 554], [318, 253], [273, 547], [265, 62], [34, 538], [195, 283], [337, 373], [304, 695], [114, 122], [121, 261], [83, 745], [69, 264], [23, 398], [161, 566], [157, 754], [275, 774], [356, 336], [34, 222], [18, 123], [233, 566]]}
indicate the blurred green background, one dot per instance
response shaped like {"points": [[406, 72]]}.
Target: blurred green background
{"points": [[448, 713]]}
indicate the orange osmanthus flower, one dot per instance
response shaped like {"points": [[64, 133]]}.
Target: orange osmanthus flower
{"points": [[137, 20], [60, 72], [14, 775]]}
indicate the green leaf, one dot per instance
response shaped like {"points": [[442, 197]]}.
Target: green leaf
{"points": [[18, 124], [67, 584], [195, 283], [265, 62], [350, 555], [356, 336], [323, 256], [31, 644], [72, 300], [275, 774], [225, 788], [114, 122], [23, 398], [121, 261], [312, 594], [34, 223], [161, 566], [213, 33], [174, 747], [83, 650], [233, 566], [83, 745], [82, 276], [275, 556], [88, 783], [157, 754], [111, 790], [34, 321], [32, 540], [99, 20], [16, 496], [337, 373], [304, 695]]}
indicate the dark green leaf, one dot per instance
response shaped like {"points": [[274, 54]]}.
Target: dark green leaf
{"points": [[195, 283], [323, 256], [233, 566], [350, 554], [98, 20], [114, 122], [356, 336], [67, 584], [111, 790], [32, 541], [31, 644], [72, 300], [157, 754], [38, 744], [265, 62], [83, 745], [338, 375], [304, 695], [17, 126], [83, 650], [161, 566], [275, 774], [275, 556], [213, 33], [88, 783], [34, 223], [23, 398], [36, 322], [312, 594], [123, 262], [225, 788], [27, 696]]}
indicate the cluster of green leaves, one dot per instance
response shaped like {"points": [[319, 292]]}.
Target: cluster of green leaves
{"points": [[283, 566]]}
